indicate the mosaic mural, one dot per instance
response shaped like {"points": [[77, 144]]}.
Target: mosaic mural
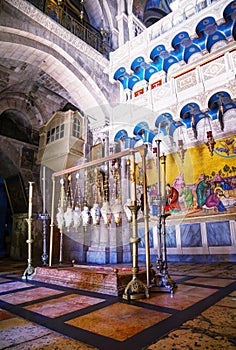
{"points": [[199, 184], [202, 183]]}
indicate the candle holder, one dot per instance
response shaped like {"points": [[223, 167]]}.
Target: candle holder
{"points": [[159, 262], [44, 217], [135, 289], [162, 282], [60, 218], [30, 269], [143, 154]]}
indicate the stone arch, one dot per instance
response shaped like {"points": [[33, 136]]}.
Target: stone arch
{"points": [[16, 125], [39, 52], [17, 102]]}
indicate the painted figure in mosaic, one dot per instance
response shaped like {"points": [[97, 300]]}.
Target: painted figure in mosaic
{"points": [[213, 201], [178, 182], [173, 198], [187, 196], [225, 185], [202, 191]]}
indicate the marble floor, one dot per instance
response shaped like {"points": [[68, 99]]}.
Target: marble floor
{"points": [[201, 314]]}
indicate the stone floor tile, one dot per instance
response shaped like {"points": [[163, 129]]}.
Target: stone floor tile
{"points": [[61, 306], [118, 321], [7, 287], [15, 331], [192, 339], [29, 295]]}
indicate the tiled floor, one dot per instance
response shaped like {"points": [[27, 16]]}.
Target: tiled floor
{"points": [[201, 314]]}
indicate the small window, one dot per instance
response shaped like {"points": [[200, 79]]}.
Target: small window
{"points": [[76, 127], [62, 131], [48, 136], [55, 133], [52, 138]]}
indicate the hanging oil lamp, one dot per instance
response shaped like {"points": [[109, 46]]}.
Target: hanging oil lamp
{"points": [[116, 201], [105, 209], [116, 211], [60, 218], [69, 193], [77, 192], [61, 204], [106, 213], [181, 150], [96, 214], [221, 115], [86, 215], [77, 200], [210, 142], [128, 213], [77, 217], [194, 127], [68, 216]]}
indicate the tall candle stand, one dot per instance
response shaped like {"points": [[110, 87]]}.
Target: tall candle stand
{"points": [[44, 216], [62, 198], [143, 154], [30, 269], [162, 280], [166, 281], [135, 289], [159, 261]]}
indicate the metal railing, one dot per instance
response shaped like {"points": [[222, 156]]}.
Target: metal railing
{"points": [[82, 29]]}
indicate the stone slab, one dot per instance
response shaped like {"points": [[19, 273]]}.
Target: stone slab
{"points": [[99, 279]]}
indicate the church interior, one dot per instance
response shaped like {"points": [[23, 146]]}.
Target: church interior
{"points": [[118, 174]]}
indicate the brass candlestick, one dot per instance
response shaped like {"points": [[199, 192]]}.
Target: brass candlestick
{"points": [[135, 289], [143, 154], [162, 280], [61, 222]]}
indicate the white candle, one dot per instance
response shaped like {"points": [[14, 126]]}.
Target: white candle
{"points": [[30, 198], [163, 183], [62, 193], [132, 179]]}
